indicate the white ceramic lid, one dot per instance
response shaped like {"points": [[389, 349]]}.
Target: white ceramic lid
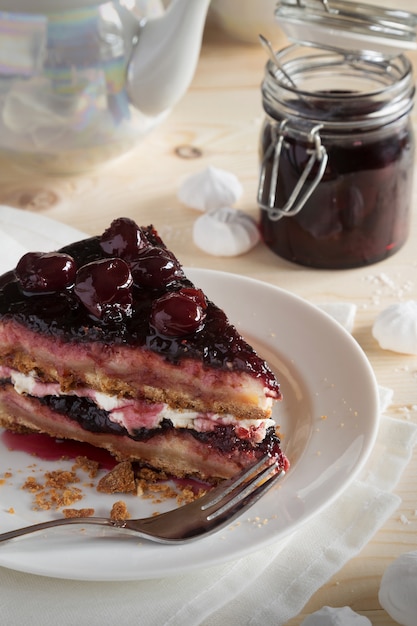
{"points": [[348, 26]]}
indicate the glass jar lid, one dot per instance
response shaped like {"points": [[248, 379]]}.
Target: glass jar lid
{"points": [[345, 26]]}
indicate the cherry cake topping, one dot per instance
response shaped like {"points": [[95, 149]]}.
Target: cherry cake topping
{"points": [[45, 272], [156, 268], [179, 313], [104, 287], [123, 238], [125, 287]]}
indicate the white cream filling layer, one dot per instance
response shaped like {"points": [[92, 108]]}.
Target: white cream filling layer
{"points": [[135, 414]]}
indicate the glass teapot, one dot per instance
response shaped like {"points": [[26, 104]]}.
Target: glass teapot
{"points": [[82, 81]]}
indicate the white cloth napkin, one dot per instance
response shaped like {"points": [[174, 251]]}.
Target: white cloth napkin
{"points": [[265, 588]]}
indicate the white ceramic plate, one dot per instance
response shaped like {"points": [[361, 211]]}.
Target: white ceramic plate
{"points": [[328, 417]]}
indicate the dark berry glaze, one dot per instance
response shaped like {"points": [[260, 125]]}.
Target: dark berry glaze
{"points": [[61, 314]]}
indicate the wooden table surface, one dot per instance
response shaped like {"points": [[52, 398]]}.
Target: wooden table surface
{"points": [[221, 116]]}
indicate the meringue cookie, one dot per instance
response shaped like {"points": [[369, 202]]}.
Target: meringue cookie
{"points": [[212, 188], [225, 232], [329, 616], [397, 592], [395, 328]]}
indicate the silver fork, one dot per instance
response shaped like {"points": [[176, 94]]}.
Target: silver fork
{"points": [[206, 515]]}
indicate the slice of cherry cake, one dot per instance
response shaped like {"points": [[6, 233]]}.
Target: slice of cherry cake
{"points": [[107, 342]]}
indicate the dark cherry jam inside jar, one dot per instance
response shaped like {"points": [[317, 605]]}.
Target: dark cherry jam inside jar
{"points": [[337, 154]]}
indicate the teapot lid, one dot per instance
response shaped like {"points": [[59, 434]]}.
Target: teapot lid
{"points": [[347, 26]]}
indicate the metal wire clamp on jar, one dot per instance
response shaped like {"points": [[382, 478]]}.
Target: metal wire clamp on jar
{"points": [[337, 154]]}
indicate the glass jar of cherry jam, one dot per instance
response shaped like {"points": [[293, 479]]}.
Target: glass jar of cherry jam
{"points": [[337, 154]]}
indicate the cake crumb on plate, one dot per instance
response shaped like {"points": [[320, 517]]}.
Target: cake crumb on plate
{"points": [[74, 513], [119, 511], [121, 479]]}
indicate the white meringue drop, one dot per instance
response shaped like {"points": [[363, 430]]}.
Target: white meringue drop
{"points": [[395, 328], [398, 589], [329, 616], [225, 232], [212, 188]]}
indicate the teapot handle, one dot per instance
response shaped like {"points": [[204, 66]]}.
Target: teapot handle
{"points": [[165, 57]]}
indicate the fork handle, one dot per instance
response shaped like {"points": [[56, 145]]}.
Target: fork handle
{"points": [[97, 521]]}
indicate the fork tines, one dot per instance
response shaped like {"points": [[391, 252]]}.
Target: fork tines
{"points": [[244, 489]]}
